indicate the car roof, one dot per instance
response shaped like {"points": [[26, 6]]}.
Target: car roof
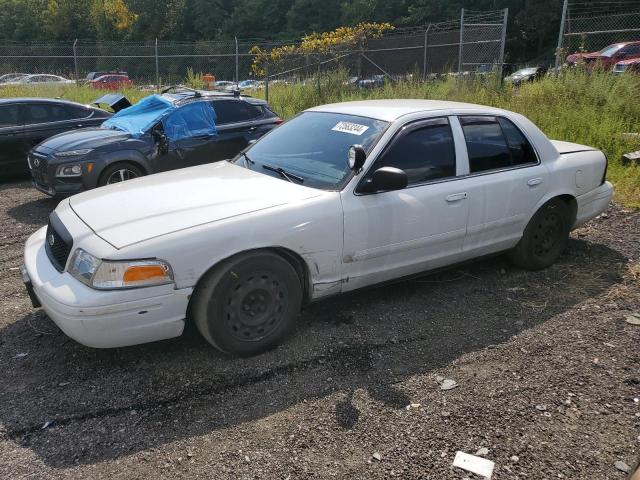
{"points": [[190, 95], [391, 110], [41, 100]]}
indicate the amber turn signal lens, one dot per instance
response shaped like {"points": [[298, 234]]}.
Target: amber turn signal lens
{"points": [[140, 273], [89, 167]]}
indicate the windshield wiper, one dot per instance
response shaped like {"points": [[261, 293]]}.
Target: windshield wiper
{"points": [[247, 161], [283, 173]]}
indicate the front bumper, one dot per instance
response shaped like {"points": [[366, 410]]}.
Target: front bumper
{"points": [[103, 319]]}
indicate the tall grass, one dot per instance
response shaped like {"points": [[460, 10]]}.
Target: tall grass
{"points": [[592, 109]]}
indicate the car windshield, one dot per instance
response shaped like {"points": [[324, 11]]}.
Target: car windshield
{"points": [[313, 146], [526, 71], [610, 50]]}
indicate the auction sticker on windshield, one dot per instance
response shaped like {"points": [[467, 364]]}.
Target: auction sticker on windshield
{"points": [[352, 128]]}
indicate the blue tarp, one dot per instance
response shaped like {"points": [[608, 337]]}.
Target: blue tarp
{"points": [[193, 119]]}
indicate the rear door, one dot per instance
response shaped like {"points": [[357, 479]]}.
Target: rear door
{"points": [[238, 123], [506, 179], [13, 149]]}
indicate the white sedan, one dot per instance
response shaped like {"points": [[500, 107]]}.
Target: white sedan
{"points": [[341, 197]]}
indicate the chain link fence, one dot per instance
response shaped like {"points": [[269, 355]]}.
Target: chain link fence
{"points": [[589, 26], [473, 43]]}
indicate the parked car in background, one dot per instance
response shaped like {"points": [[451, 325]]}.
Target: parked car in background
{"points": [[11, 77], [25, 122], [224, 85], [40, 79], [607, 57], [341, 197], [631, 65], [161, 132], [528, 74], [111, 82], [248, 84], [100, 73]]}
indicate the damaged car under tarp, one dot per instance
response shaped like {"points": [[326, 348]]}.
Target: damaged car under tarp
{"points": [[175, 129]]}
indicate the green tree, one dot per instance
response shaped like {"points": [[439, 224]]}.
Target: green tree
{"points": [[258, 19], [307, 16]]}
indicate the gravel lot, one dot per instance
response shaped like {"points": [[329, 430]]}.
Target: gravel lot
{"points": [[546, 364]]}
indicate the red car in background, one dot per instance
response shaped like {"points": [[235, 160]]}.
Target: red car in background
{"points": [[111, 82], [630, 65], [608, 56]]}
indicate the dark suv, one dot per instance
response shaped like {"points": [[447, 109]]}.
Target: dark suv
{"points": [[162, 132]]}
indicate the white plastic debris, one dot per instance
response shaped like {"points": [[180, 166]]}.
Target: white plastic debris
{"points": [[46, 424], [482, 451], [623, 467], [448, 384], [21, 355], [377, 456], [632, 319], [471, 463]]}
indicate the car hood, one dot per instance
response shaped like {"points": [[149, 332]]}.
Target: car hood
{"points": [[82, 138], [131, 212]]}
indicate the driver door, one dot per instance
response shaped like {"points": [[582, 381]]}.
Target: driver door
{"points": [[185, 138], [392, 234]]}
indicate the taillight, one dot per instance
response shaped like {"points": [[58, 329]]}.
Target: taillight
{"points": [[278, 120]]}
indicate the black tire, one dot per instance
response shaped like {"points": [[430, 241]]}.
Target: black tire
{"points": [[119, 172], [248, 304], [545, 237]]}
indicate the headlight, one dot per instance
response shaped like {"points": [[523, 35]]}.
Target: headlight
{"points": [[74, 170], [74, 153], [107, 275]]}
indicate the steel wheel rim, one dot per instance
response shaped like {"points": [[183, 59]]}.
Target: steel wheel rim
{"points": [[121, 175], [256, 306], [548, 234]]}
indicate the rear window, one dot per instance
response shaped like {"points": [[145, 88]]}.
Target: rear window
{"points": [[235, 111]]}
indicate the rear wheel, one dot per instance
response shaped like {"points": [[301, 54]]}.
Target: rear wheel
{"points": [[248, 304], [120, 172], [545, 237]]}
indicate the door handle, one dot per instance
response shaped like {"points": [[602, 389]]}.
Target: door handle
{"points": [[253, 129], [534, 182], [79, 125], [456, 197]]}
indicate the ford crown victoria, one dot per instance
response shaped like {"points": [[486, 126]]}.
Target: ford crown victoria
{"points": [[340, 197]]}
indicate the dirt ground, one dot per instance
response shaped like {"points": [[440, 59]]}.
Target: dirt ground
{"points": [[547, 367]]}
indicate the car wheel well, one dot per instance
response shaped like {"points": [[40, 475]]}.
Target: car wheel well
{"points": [[128, 162], [572, 203], [294, 259]]}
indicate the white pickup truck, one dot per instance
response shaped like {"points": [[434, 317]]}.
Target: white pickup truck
{"points": [[340, 197]]}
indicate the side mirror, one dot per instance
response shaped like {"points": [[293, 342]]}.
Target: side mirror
{"points": [[357, 157], [386, 179]]}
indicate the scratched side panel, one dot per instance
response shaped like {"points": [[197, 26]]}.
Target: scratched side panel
{"points": [[311, 228]]}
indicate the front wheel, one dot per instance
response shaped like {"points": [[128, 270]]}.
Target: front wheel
{"points": [[120, 172], [248, 304], [545, 237]]}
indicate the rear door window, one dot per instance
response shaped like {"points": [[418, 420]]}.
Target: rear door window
{"points": [[41, 113], [77, 112], [9, 115], [235, 111], [521, 150], [486, 144]]}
